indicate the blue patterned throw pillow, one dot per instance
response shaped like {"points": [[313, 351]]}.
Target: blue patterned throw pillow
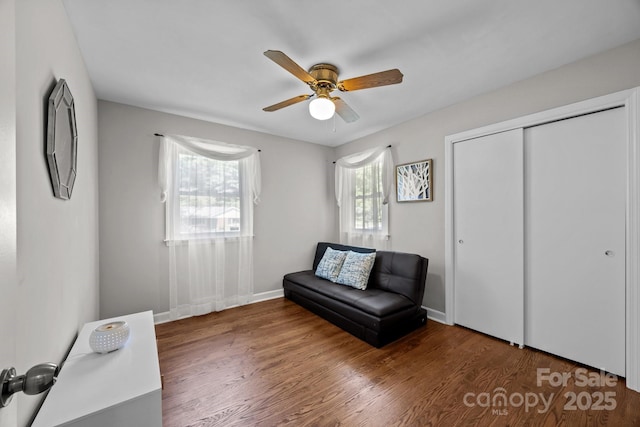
{"points": [[356, 269], [330, 264]]}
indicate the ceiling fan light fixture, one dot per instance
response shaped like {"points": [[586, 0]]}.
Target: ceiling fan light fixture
{"points": [[322, 108]]}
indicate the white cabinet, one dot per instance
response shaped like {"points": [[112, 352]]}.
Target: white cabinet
{"points": [[538, 239], [122, 388]]}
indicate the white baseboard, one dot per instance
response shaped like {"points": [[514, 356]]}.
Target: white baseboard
{"points": [[435, 315], [161, 318], [262, 296]]}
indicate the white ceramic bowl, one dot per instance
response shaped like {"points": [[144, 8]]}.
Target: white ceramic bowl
{"points": [[109, 337]]}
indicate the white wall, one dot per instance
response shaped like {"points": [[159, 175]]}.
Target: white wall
{"points": [[295, 212], [57, 240], [419, 227], [8, 227]]}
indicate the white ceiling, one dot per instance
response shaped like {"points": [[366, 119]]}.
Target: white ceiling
{"points": [[203, 58]]}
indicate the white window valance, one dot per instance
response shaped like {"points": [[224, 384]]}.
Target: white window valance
{"points": [[210, 149], [359, 160]]}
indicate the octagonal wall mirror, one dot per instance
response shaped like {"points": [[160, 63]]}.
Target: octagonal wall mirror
{"points": [[62, 140]]}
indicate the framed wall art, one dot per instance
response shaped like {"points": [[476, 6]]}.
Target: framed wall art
{"points": [[413, 181]]}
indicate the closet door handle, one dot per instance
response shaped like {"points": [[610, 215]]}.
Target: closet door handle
{"points": [[461, 241], [609, 253]]}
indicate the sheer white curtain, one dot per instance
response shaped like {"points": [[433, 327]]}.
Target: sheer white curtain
{"points": [[363, 185], [209, 188]]}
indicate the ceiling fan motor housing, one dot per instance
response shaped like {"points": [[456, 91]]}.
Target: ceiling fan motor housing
{"points": [[325, 74]]}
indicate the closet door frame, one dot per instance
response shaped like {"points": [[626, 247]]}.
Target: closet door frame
{"points": [[630, 100]]}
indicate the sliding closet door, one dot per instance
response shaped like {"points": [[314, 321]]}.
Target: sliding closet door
{"points": [[488, 228], [575, 186]]}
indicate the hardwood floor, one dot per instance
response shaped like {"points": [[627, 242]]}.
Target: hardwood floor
{"points": [[274, 363]]}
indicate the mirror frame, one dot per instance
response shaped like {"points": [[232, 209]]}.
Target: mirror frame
{"points": [[62, 152]]}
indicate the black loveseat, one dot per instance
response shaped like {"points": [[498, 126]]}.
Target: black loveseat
{"points": [[390, 307]]}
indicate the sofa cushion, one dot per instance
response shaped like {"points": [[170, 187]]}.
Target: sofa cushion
{"points": [[331, 263], [401, 273], [356, 269], [376, 302]]}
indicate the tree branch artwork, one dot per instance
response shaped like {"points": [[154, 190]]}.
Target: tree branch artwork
{"points": [[413, 182]]}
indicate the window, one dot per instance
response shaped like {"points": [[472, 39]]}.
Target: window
{"points": [[362, 190], [208, 196], [209, 187], [367, 192]]}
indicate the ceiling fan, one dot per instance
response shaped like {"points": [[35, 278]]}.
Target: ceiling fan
{"points": [[323, 79]]}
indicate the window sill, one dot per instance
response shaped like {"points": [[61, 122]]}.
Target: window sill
{"points": [[204, 240]]}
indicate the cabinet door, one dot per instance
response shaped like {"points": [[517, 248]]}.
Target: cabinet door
{"points": [[488, 229], [575, 232]]}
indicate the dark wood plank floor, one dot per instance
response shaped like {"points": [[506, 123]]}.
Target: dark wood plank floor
{"points": [[274, 363]]}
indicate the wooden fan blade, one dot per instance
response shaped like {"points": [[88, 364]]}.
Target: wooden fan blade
{"points": [[286, 103], [288, 64], [383, 78], [344, 111]]}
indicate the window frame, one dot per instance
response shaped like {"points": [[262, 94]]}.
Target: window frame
{"points": [[174, 231], [375, 167]]}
